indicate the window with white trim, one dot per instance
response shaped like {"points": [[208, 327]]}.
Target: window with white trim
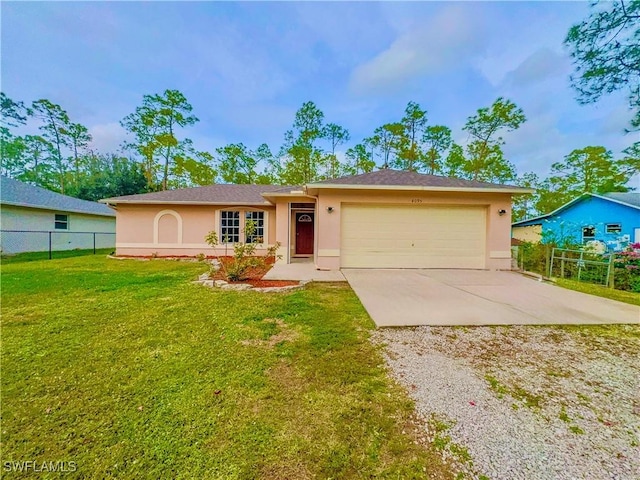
{"points": [[61, 221], [588, 233], [257, 235], [615, 228], [229, 226]]}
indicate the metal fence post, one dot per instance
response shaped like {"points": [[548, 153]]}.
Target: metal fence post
{"points": [[611, 272], [580, 263], [94, 243], [547, 258], [50, 244]]}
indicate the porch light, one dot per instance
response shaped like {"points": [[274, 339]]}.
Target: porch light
{"points": [[330, 209], [502, 211]]}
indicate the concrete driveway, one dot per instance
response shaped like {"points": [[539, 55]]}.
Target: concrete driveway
{"points": [[397, 298]]}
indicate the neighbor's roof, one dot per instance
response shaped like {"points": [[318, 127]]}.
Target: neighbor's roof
{"points": [[219, 194], [631, 199], [13, 192], [627, 199], [404, 180]]}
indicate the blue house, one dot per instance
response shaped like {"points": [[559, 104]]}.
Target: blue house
{"points": [[611, 218]]}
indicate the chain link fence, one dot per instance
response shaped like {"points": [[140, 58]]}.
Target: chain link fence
{"points": [[619, 270], [582, 266], [22, 241]]}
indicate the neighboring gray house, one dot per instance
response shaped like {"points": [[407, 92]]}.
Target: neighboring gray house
{"points": [[31, 216]]}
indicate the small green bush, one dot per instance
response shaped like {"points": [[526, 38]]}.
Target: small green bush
{"points": [[244, 257]]}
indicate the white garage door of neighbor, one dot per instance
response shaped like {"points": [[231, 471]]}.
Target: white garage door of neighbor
{"points": [[408, 236]]}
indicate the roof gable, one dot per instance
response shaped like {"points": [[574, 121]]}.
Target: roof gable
{"points": [[13, 192]]}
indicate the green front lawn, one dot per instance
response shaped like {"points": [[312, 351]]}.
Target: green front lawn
{"points": [[600, 291], [57, 255], [130, 371]]}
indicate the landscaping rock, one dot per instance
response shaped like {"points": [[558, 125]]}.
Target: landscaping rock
{"points": [[288, 288], [205, 280], [236, 286]]}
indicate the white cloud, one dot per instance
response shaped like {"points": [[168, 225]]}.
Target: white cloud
{"points": [[446, 40], [107, 137], [526, 37], [537, 67]]}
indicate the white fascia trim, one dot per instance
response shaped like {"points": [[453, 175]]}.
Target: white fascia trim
{"points": [[614, 200], [164, 202], [418, 188], [298, 193]]}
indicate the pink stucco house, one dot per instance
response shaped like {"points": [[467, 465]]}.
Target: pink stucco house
{"points": [[383, 219]]}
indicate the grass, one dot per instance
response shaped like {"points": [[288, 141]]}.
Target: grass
{"points": [[442, 441], [496, 386], [600, 291], [36, 256], [516, 392], [130, 371]]}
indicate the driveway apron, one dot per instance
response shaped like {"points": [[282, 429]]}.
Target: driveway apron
{"points": [[395, 298]]}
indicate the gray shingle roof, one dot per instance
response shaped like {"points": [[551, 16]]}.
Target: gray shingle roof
{"points": [[401, 178], [631, 198], [13, 192], [211, 194]]}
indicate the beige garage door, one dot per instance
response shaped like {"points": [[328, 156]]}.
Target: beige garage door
{"points": [[408, 236]]}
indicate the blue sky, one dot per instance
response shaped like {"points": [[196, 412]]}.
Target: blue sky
{"points": [[247, 67]]}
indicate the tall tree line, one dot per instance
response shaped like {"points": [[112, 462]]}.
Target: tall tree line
{"points": [[56, 155], [159, 156]]}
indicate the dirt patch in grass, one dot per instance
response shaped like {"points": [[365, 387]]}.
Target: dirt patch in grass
{"points": [[282, 334]]}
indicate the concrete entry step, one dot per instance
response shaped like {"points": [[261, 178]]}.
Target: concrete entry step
{"points": [[303, 271]]}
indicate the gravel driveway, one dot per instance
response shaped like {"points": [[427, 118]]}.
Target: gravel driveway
{"points": [[525, 402]]}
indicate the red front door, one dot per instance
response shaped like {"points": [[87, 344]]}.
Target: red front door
{"points": [[304, 233]]}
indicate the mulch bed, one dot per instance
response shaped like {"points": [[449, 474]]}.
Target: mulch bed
{"points": [[254, 275]]}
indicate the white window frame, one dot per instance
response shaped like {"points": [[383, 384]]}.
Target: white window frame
{"points": [[224, 237], [247, 216], [617, 226], [589, 238], [64, 222], [243, 212]]}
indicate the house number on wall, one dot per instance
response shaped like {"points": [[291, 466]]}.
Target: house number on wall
{"points": [[416, 200]]}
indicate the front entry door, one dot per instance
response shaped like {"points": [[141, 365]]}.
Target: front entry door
{"points": [[304, 233]]}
